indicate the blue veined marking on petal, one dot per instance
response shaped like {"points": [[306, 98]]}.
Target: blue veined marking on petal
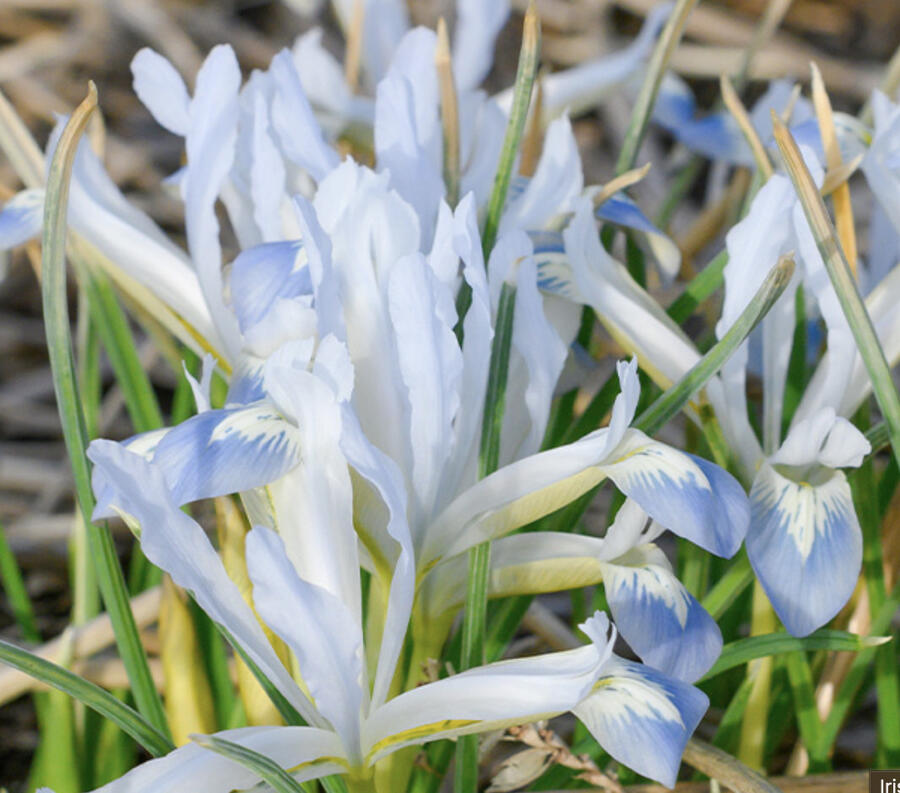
{"points": [[622, 211], [642, 717], [246, 384], [226, 451], [517, 185], [554, 273], [264, 273], [661, 621], [677, 491], [805, 545]]}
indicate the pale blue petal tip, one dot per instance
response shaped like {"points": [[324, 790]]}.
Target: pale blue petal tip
{"points": [[731, 510], [713, 514], [806, 589], [622, 211], [652, 627], [264, 274], [225, 451], [643, 718]]}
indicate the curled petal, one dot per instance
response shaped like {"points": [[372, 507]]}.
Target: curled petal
{"points": [[264, 274], [643, 718], [661, 621], [684, 493]]}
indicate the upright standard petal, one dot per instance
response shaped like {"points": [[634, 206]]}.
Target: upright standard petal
{"points": [[159, 86], [136, 489], [477, 25], [383, 475], [805, 545], [557, 182], [313, 502], [423, 317], [407, 127], [321, 630], [298, 131], [210, 146], [643, 718]]}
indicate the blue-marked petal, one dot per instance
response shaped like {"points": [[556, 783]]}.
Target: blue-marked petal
{"points": [[192, 767], [557, 182], [661, 621], [210, 150], [21, 218], [688, 495], [643, 718], [226, 451], [620, 210], [265, 273], [805, 545], [493, 696], [128, 485], [527, 489]]}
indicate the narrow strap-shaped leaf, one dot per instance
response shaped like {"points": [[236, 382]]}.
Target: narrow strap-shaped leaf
{"points": [[744, 650], [729, 586], [466, 778], [800, 677], [90, 694], [118, 341], [846, 694], [529, 55], [280, 780], [16, 594], [59, 346]]}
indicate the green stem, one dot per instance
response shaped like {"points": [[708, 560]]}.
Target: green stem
{"points": [[473, 630], [529, 55]]}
